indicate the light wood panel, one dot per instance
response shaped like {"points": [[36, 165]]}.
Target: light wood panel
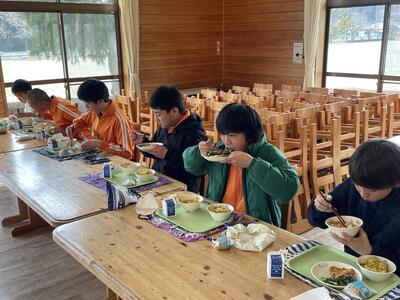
{"points": [[9, 144], [258, 40], [3, 99], [139, 261], [178, 43]]}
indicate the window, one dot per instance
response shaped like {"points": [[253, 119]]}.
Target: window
{"points": [[362, 43], [58, 45]]}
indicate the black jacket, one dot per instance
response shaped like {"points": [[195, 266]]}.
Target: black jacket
{"points": [[188, 133], [381, 219]]}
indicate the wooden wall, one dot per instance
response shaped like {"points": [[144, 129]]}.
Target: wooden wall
{"points": [[178, 43], [259, 37]]}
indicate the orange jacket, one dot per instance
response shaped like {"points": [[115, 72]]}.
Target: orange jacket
{"points": [[112, 128], [63, 113]]}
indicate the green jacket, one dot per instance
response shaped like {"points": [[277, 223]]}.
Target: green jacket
{"points": [[268, 182]]}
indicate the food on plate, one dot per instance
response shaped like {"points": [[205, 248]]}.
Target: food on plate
{"points": [[143, 172], [340, 276], [219, 209], [376, 265], [338, 224], [219, 152]]}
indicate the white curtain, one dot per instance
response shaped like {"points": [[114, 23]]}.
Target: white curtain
{"points": [[129, 12], [312, 13]]}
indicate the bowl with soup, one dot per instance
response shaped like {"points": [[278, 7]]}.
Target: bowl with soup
{"points": [[376, 268], [353, 225], [220, 212], [144, 174], [188, 200]]}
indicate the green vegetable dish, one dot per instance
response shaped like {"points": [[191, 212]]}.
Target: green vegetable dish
{"points": [[220, 152], [340, 280]]}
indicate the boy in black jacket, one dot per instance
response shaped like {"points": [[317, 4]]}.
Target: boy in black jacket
{"points": [[178, 130], [372, 194]]}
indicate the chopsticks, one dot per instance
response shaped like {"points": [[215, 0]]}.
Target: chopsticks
{"points": [[335, 211]]}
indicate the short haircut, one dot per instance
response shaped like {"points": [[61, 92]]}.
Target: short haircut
{"points": [[21, 86], [240, 118], [36, 96], [376, 164], [93, 90], [166, 97]]}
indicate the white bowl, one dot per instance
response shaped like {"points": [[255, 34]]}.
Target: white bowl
{"points": [[147, 146], [376, 276], [188, 200], [320, 271], [130, 167], [144, 177], [351, 231], [220, 217], [26, 121]]}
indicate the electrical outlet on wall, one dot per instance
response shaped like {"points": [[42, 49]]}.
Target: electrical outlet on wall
{"points": [[298, 53]]}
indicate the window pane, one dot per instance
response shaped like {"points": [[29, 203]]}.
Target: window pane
{"points": [[351, 83], [113, 89], [355, 36], [91, 45], [392, 65], [30, 46], [391, 87]]}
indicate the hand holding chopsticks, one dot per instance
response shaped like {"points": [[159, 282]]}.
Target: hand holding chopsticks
{"points": [[327, 204]]}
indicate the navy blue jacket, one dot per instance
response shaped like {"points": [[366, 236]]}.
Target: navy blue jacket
{"points": [[381, 219]]}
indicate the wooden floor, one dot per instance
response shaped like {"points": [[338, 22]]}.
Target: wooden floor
{"points": [[33, 267]]}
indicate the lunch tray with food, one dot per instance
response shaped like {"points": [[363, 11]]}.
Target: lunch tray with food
{"points": [[302, 264], [196, 221], [67, 152], [126, 179]]}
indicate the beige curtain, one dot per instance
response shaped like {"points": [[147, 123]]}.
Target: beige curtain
{"points": [[129, 12], [312, 12]]}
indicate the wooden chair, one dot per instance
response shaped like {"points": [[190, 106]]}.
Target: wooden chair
{"points": [[145, 116], [345, 93], [127, 105], [291, 88], [318, 90]]}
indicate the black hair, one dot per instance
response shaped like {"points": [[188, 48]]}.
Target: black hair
{"points": [[376, 164], [21, 86], [166, 97], [93, 90], [240, 118], [36, 96]]}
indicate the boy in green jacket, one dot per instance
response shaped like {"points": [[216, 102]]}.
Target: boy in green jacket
{"points": [[256, 177]]}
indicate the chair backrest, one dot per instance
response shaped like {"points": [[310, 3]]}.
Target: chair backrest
{"points": [[127, 105], [318, 90]]}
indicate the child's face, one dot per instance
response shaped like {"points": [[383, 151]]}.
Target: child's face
{"points": [[167, 119], [41, 107], [21, 96], [371, 195], [235, 141]]}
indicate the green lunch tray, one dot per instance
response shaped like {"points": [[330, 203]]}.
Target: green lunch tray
{"points": [[197, 221], [120, 175], [64, 156], [303, 262]]}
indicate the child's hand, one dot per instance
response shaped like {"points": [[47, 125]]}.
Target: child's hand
{"points": [[239, 159], [70, 131], [323, 205], [204, 147], [136, 137], [359, 244], [91, 144]]}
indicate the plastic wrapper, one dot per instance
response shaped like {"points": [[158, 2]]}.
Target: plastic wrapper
{"points": [[146, 205], [254, 237], [221, 243], [359, 290]]}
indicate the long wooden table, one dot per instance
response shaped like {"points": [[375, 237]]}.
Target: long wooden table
{"points": [[51, 192], [136, 260], [8, 143]]}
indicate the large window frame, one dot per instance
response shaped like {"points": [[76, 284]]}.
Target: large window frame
{"points": [[61, 8], [380, 77]]}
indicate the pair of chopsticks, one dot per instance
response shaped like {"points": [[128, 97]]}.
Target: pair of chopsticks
{"points": [[335, 211]]}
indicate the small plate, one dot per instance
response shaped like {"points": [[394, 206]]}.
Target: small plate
{"points": [[147, 146], [215, 158], [321, 271]]}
